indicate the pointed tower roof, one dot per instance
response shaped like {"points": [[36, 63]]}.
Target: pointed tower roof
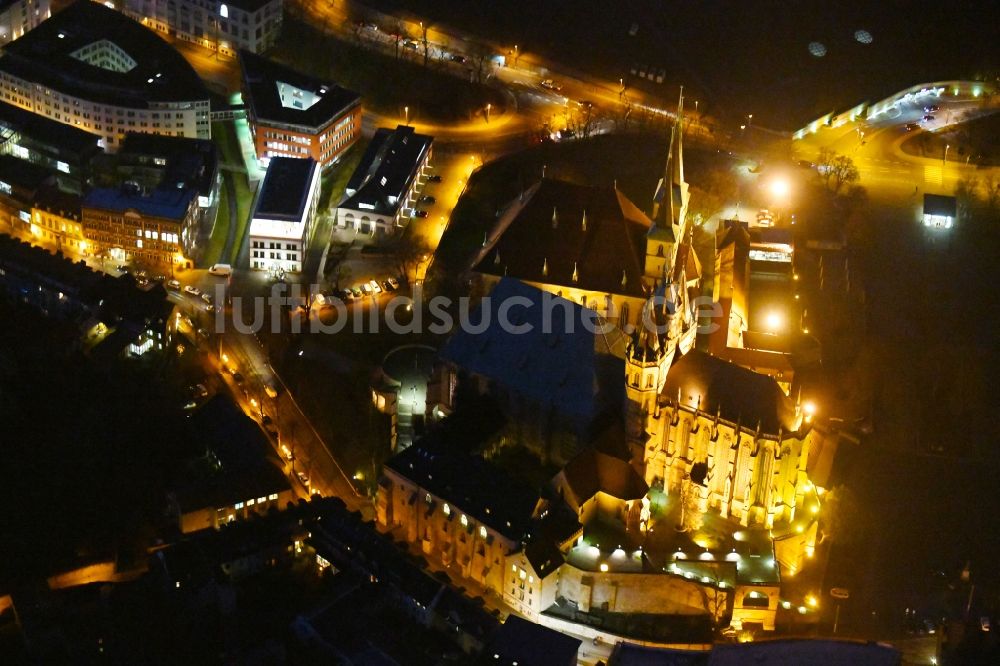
{"points": [[669, 200]]}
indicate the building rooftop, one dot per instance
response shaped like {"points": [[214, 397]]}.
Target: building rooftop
{"points": [[283, 203], [567, 370], [523, 643], [631, 654], [591, 472], [805, 651], [237, 461], [56, 201], [22, 175], [132, 65], [939, 204], [171, 204], [44, 130], [386, 170], [469, 484], [580, 237], [737, 394], [249, 5], [277, 94], [180, 160]]}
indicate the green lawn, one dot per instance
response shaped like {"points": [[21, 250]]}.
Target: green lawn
{"points": [[218, 240], [385, 83], [230, 154]]}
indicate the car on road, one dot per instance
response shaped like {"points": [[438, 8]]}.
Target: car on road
{"points": [[932, 108], [194, 291], [238, 378], [410, 44], [198, 391], [928, 118], [303, 478], [271, 390], [121, 268], [208, 307], [911, 126], [585, 103], [420, 213], [549, 84], [458, 57], [376, 287], [159, 278], [434, 178], [174, 284], [427, 199], [221, 270], [207, 298]]}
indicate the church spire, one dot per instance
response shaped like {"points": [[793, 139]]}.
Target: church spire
{"points": [[666, 209]]}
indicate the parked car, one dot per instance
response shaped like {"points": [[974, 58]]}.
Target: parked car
{"points": [[356, 291], [345, 295], [434, 178], [427, 199], [303, 478], [932, 108], [159, 278], [927, 118], [367, 289], [394, 282], [208, 307], [387, 286], [376, 287], [911, 126], [420, 213], [121, 268], [238, 378], [410, 44], [174, 284], [221, 270], [549, 84], [458, 57], [207, 298], [194, 291]]}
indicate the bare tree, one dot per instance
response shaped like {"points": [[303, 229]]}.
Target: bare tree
{"points": [[423, 40], [480, 54], [991, 188], [409, 252], [711, 195], [842, 171]]}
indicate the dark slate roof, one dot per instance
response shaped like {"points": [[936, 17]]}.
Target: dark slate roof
{"points": [[805, 651], [527, 243], [591, 472], [386, 170], [42, 56], [556, 368], [470, 484], [740, 395], [260, 86], [630, 654], [239, 462], [544, 556], [528, 644], [191, 162], [54, 200], [285, 192], [250, 5], [47, 131], [939, 204], [171, 204]]}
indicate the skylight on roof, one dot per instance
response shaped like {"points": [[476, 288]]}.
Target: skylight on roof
{"points": [[106, 55], [297, 98]]}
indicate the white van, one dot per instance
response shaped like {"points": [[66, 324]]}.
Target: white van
{"points": [[221, 270]]}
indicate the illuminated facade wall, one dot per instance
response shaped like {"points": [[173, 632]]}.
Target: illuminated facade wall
{"points": [[225, 27], [129, 235], [64, 229], [324, 145], [443, 531], [19, 17], [110, 122], [756, 479]]}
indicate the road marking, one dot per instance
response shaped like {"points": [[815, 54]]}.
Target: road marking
{"points": [[933, 174]]}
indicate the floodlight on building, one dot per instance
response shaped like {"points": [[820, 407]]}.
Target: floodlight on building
{"points": [[604, 567], [780, 188], [809, 410], [774, 321]]}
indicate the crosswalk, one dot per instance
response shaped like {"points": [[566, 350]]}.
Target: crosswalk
{"points": [[933, 174]]}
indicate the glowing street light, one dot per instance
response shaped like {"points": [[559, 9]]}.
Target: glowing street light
{"points": [[779, 188], [774, 321], [488, 107], [809, 409], [406, 112]]}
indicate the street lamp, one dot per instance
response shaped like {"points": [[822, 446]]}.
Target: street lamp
{"points": [[945, 160], [773, 321], [779, 188], [406, 112], [488, 107]]}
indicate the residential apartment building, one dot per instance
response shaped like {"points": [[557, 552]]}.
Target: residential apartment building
{"points": [[225, 27], [283, 216], [97, 70], [19, 16], [20, 183], [294, 115], [56, 221]]}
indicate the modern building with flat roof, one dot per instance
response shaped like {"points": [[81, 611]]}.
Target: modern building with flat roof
{"points": [[283, 216], [225, 27], [62, 149], [382, 191], [128, 223], [295, 115], [172, 162], [19, 16], [90, 67]]}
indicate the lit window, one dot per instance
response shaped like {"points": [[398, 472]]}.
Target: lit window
{"points": [[465, 520], [239, 505], [272, 496], [482, 532], [250, 502], [261, 500], [447, 509], [223, 11], [522, 574]]}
